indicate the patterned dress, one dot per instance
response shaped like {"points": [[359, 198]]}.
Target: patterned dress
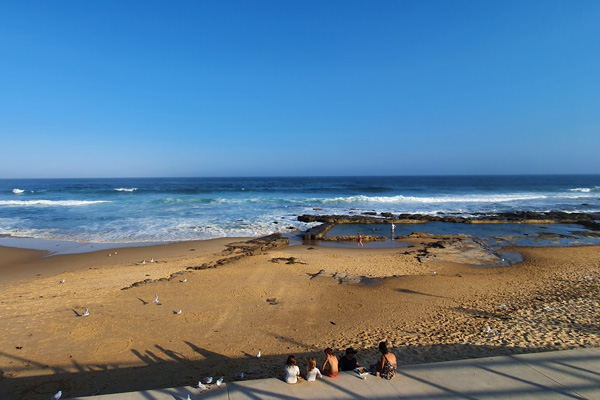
{"points": [[389, 370]]}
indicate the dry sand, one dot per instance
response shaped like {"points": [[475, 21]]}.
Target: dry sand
{"points": [[425, 311]]}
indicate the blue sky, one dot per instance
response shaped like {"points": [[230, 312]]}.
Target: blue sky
{"points": [[271, 88]]}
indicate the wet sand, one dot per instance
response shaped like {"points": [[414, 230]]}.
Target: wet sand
{"points": [[292, 300]]}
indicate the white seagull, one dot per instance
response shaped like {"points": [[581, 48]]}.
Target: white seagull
{"points": [[258, 355], [490, 330], [152, 260], [189, 398], [184, 281], [178, 312], [241, 376], [63, 281], [219, 382], [589, 278], [208, 379], [548, 308], [57, 395], [201, 386], [110, 254], [155, 299], [85, 313], [503, 306]]}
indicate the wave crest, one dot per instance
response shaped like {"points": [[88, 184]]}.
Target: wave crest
{"points": [[126, 189], [68, 203], [18, 191], [585, 190], [433, 200]]}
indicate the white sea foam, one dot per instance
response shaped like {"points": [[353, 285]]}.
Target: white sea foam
{"points": [[583, 190], [68, 203], [18, 191], [126, 189], [497, 198]]}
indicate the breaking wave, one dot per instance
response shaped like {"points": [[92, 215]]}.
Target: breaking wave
{"points": [[585, 190], [449, 199], [125, 189], [18, 191], [67, 203]]}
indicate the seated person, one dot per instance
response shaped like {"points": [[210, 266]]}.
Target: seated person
{"points": [[386, 368], [349, 362], [312, 372], [332, 371], [291, 370]]}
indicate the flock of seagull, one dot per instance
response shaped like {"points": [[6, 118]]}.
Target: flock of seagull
{"points": [[143, 262]]}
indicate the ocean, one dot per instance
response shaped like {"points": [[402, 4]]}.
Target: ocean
{"points": [[137, 210]]}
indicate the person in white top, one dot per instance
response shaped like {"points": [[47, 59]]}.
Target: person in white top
{"points": [[312, 371], [291, 370]]}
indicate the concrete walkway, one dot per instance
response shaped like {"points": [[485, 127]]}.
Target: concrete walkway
{"points": [[570, 374]]}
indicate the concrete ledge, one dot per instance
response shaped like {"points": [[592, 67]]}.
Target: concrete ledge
{"points": [[570, 374]]}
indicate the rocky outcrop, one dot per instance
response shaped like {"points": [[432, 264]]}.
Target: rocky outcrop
{"points": [[236, 251], [245, 249], [520, 217], [317, 232], [366, 238]]}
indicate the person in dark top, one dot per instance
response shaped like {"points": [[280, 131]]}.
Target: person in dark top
{"points": [[349, 362]]}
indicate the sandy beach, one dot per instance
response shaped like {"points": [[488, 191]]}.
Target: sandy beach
{"points": [[290, 300]]}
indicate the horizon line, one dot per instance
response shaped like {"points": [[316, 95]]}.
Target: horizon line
{"points": [[303, 176]]}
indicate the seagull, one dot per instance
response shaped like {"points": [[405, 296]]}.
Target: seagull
{"points": [[189, 398], [589, 278], [201, 386], [219, 382], [258, 355], [178, 312], [548, 308], [241, 376], [184, 281], [490, 330], [86, 313], [144, 262], [110, 254], [503, 306], [57, 395], [155, 299], [208, 379], [152, 260], [115, 252], [63, 281]]}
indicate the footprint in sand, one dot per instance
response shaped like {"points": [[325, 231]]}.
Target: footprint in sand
{"points": [[113, 346]]}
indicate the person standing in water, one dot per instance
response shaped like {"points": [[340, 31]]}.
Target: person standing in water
{"points": [[359, 242]]}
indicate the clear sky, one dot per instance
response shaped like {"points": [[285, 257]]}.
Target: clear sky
{"points": [[271, 88]]}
